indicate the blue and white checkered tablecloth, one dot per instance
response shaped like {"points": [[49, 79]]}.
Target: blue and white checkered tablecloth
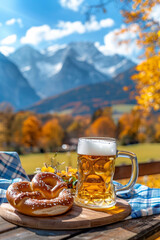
{"points": [[11, 171], [144, 201]]}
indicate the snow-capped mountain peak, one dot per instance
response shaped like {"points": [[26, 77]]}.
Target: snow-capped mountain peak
{"points": [[60, 68]]}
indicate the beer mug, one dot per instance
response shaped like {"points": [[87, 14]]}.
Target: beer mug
{"points": [[96, 167]]}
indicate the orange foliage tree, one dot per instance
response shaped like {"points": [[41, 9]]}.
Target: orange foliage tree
{"points": [[157, 130], [77, 128], [102, 127], [17, 124], [2, 133], [6, 119], [31, 131], [65, 120], [133, 127], [52, 134], [148, 32], [148, 84]]}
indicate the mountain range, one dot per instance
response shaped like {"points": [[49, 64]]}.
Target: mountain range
{"points": [[77, 76], [15, 89], [75, 65], [86, 99]]}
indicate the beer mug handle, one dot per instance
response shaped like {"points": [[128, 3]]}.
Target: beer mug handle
{"points": [[134, 172]]}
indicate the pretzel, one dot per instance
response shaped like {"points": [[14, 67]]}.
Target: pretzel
{"points": [[45, 195]]}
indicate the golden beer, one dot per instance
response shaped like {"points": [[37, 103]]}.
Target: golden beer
{"points": [[95, 187], [96, 166]]}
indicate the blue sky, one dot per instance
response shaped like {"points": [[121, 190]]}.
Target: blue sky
{"points": [[45, 23]]}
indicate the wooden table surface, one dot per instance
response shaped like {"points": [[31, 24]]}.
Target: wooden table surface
{"points": [[142, 228]]}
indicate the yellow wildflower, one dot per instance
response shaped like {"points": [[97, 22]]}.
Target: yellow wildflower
{"points": [[63, 172], [59, 174], [72, 170], [47, 169], [50, 169], [44, 169]]}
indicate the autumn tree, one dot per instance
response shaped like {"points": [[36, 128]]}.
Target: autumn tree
{"points": [[77, 128], [157, 130], [65, 120], [139, 15], [133, 127], [106, 111], [148, 84], [102, 127], [31, 131], [148, 38], [2, 132], [52, 135], [17, 124], [45, 117], [98, 113], [6, 120]]}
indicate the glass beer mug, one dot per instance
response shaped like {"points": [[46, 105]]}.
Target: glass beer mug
{"points": [[96, 167]]}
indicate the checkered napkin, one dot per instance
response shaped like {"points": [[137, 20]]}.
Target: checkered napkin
{"points": [[10, 171], [144, 201]]}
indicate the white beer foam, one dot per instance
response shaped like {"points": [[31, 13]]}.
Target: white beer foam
{"points": [[97, 147]]}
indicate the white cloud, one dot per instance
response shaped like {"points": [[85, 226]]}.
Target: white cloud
{"points": [[155, 14], [9, 40], [35, 35], [115, 43], [6, 50], [94, 25], [67, 28], [0, 24], [71, 4], [13, 21], [108, 22]]}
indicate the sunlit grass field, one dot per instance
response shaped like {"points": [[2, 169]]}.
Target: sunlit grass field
{"points": [[145, 152]]}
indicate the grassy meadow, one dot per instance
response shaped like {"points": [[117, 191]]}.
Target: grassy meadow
{"points": [[145, 152]]}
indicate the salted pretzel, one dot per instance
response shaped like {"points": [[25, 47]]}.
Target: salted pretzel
{"points": [[45, 195]]}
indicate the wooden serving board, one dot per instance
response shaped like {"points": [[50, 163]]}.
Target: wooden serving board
{"points": [[76, 218]]}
